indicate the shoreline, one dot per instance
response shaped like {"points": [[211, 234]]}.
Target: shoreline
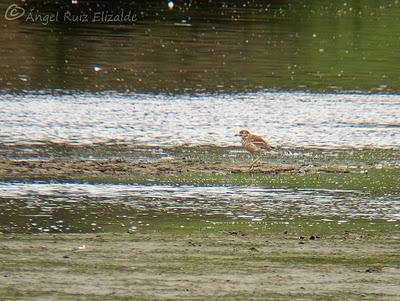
{"points": [[375, 171]]}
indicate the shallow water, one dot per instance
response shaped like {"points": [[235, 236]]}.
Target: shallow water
{"points": [[52, 207], [294, 119], [197, 74], [203, 69], [205, 46]]}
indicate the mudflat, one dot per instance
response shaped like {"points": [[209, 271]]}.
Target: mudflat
{"points": [[371, 170], [227, 261], [200, 256]]}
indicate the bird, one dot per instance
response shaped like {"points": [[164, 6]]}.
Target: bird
{"points": [[254, 144]]}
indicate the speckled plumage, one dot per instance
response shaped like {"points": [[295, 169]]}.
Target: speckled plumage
{"points": [[254, 144]]}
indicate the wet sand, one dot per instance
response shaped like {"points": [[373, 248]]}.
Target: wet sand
{"points": [[220, 264]]}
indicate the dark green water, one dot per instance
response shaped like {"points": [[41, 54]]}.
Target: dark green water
{"points": [[206, 46]]}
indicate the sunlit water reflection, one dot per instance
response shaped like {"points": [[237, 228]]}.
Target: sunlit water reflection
{"points": [[65, 207], [205, 46], [296, 119]]}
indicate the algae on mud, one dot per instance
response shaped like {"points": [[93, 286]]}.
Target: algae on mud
{"points": [[372, 170], [224, 261]]}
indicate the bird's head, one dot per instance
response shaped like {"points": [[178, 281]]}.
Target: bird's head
{"points": [[243, 133]]}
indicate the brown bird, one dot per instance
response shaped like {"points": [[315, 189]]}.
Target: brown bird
{"points": [[254, 144]]}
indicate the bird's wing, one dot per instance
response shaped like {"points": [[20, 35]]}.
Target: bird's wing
{"points": [[260, 142]]}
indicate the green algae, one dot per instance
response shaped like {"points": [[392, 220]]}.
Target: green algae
{"points": [[151, 262]]}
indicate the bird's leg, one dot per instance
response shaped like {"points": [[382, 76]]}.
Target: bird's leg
{"points": [[256, 159], [253, 162], [251, 166]]}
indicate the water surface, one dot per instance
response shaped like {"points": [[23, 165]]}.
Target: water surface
{"points": [[53, 207], [202, 46], [200, 72], [294, 119], [197, 74]]}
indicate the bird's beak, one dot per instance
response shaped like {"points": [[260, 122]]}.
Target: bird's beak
{"points": [[237, 135]]}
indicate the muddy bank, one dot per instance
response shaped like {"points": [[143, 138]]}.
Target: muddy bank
{"points": [[120, 167], [372, 170], [231, 261]]}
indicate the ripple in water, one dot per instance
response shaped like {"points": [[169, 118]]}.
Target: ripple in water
{"points": [[295, 119], [84, 203]]}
